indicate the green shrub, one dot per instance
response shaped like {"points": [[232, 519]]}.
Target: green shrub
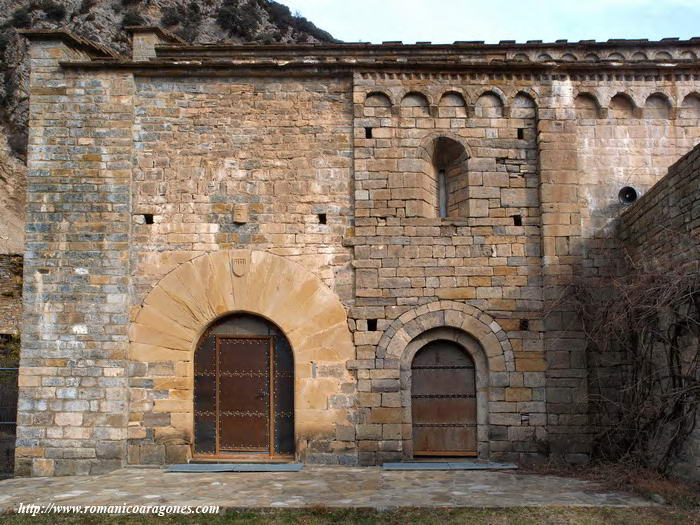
{"points": [[21, 18], [86, 5], [239, 20], [280, 14], [54, 11], [4, 40], [189, 18], [302, 24], [170, 17], [133, 18]]}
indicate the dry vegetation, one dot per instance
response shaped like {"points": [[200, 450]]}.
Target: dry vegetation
{"points": [[643, 329]]}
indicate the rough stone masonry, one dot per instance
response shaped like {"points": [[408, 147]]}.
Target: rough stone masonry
{"points": [[366, 200]]}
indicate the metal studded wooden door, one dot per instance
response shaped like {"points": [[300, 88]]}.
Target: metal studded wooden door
{"points": [[443, 401], [243, 396]]}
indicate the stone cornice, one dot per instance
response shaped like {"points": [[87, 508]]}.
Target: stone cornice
{"points": [[164, 34], [71, 40]]}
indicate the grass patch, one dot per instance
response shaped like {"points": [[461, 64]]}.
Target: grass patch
{"points": [[519, 516]]}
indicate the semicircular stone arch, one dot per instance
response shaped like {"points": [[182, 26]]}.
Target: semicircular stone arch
{"points": [[449, 314], [486, 343], [166, 328]]}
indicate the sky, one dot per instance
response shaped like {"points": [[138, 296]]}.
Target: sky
{"points": [[445, 21]]}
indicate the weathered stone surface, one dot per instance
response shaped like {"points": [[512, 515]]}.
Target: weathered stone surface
{"points": [[159, 204]]}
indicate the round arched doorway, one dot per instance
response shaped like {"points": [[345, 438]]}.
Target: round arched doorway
{"points": [[243, 389], [443, 401]]}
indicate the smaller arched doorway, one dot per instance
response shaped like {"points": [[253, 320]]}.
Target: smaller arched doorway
{"points": [[243, 389], [443, 401]]}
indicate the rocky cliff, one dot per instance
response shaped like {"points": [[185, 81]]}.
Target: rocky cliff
{"points": [[204, 21]]}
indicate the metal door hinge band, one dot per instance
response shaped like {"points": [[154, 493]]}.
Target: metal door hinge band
{"points": [[242, 373], [242, 413]]}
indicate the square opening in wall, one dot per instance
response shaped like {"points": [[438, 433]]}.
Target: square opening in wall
{"points": [[371, 325], [322, 219], [521, 133], [517, 220], [368, 133], [148, 218], [524, 324]]}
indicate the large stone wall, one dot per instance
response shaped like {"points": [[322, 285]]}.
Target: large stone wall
{"points": [[663, 228], [654, 228], [228, 163], [143, 173], [406, 257], [72, 407]]}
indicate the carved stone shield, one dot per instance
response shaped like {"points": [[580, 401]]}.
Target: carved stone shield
{"points": [[240, 262]]}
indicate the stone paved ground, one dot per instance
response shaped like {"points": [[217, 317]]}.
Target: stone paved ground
{"points": [[313, 486]]}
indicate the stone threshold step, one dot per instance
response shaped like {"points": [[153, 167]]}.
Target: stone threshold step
{"points": [[236, 467], [248, 460], [451, 465]]}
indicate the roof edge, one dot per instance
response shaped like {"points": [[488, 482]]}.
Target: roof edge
{"points": [[70, 39], [162, 33]]}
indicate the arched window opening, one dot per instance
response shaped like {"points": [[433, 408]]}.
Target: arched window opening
{"points": [[442, 193], [449, 160], [243, 389]]}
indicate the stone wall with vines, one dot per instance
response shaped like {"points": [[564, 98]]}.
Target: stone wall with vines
{"points": [[642, 324]]}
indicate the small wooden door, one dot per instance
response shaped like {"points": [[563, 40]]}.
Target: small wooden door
{"points": [[443, 401], [243, 396]]}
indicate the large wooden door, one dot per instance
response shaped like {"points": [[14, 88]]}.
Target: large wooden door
{"points": [[243, 395], [443, 401]]}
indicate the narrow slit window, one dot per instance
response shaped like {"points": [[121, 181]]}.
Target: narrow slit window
{"points": [[322, 219], [371, 325], [517, 220], [521, 133], [442, 193], [368, 133], [148, 218]]}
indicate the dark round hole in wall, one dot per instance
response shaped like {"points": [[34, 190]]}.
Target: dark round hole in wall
{"points": [[627, 195]]}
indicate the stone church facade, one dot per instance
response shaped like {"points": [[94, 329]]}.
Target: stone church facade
{"points": [[342, 253]]}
